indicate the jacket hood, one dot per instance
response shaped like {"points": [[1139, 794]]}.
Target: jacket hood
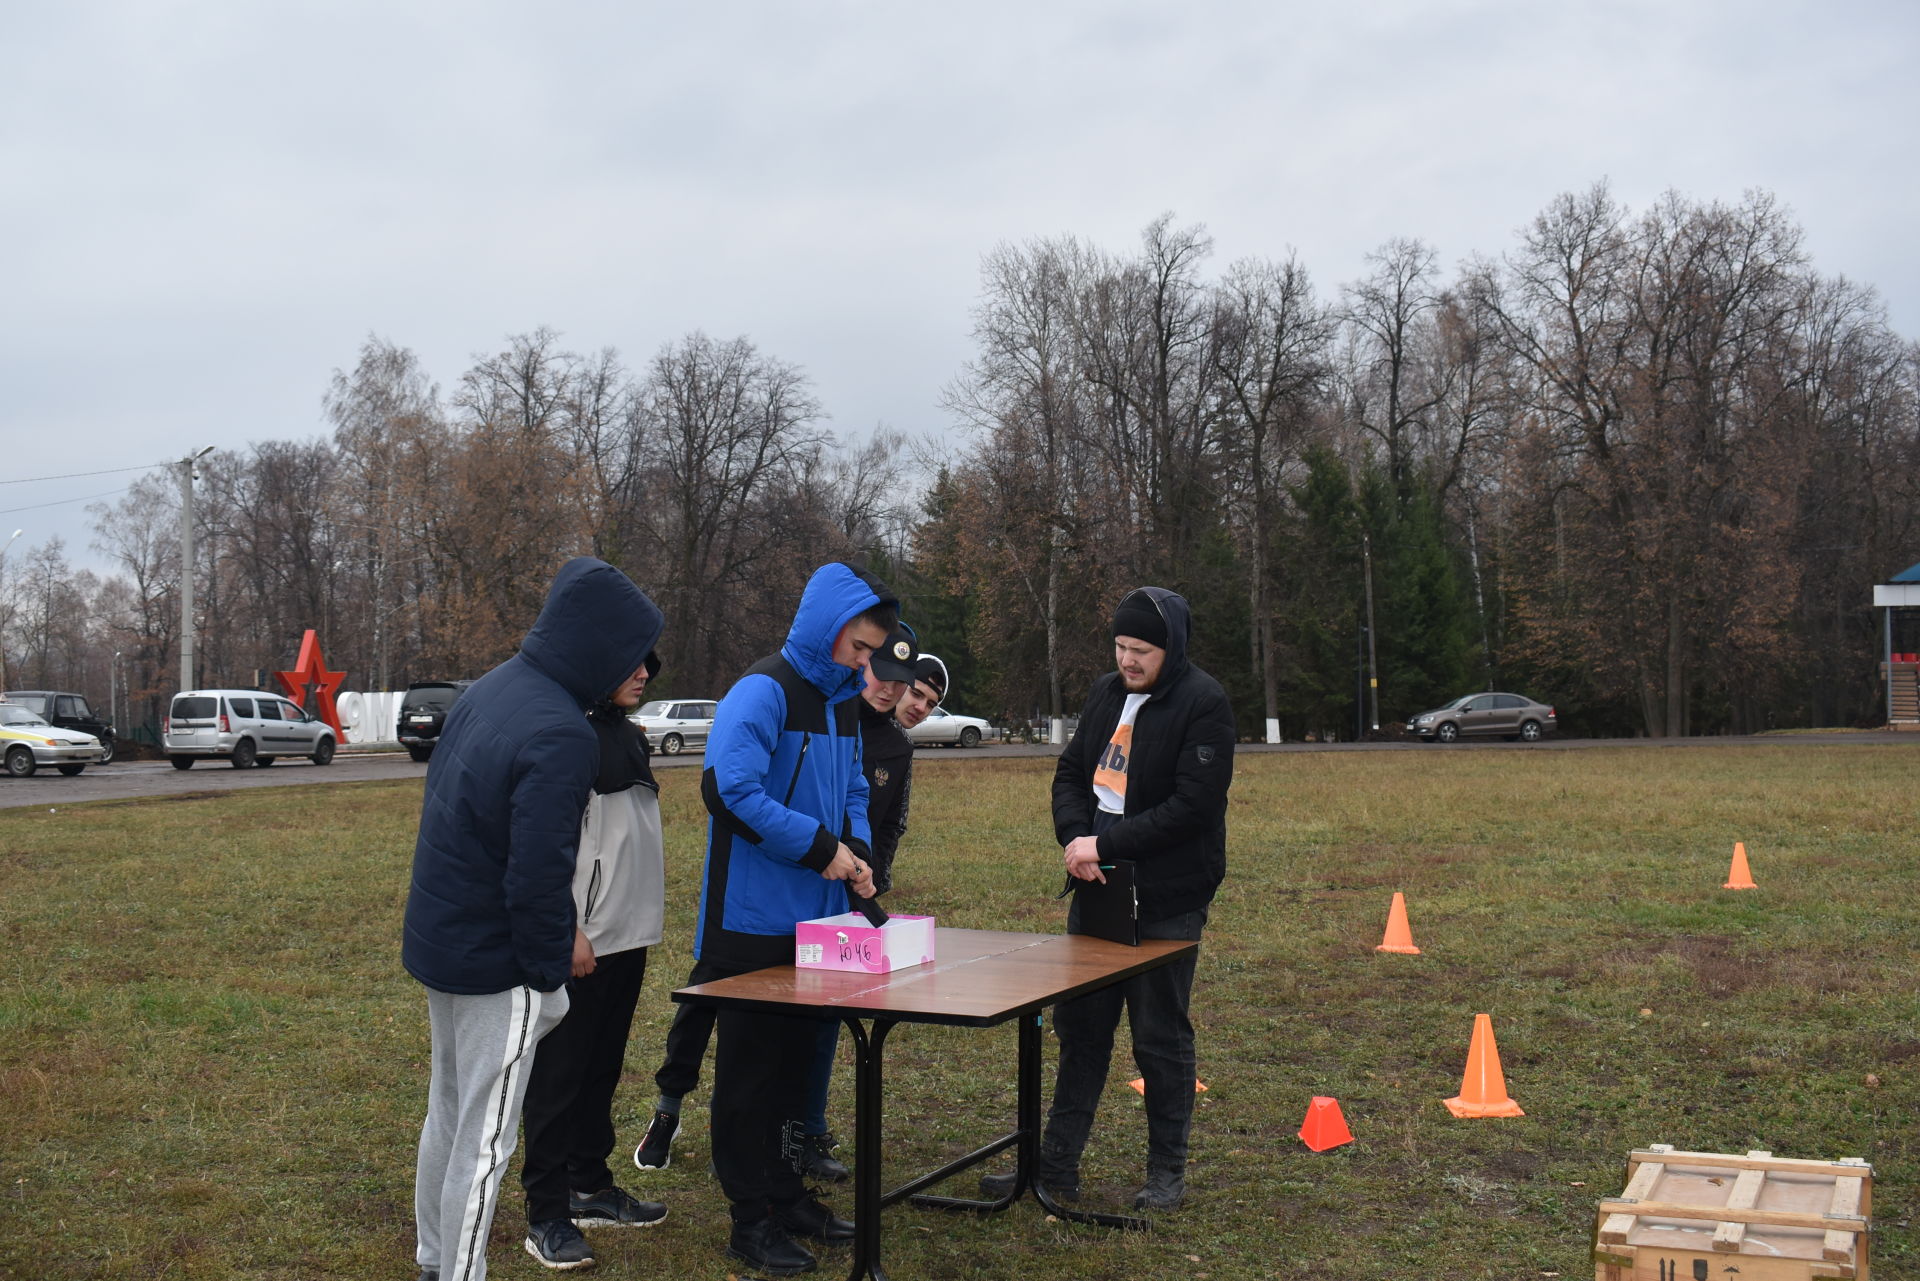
{"points": [[594, 631], [1173, 609], [834, 595]]}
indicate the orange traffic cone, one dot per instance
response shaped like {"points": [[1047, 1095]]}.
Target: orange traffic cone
{"points": [[1324, 1127], [1483, 1090], [1738, 876], [1139, 1084], [1398, 937]]}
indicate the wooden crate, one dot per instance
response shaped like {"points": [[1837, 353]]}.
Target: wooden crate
{"points": [[1705, 1216]]}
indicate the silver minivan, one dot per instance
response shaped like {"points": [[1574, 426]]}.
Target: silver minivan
{"points": [[243, 726]]}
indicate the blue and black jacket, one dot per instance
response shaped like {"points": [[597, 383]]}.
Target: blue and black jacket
{"points": [[491, 904], [783, 783]]}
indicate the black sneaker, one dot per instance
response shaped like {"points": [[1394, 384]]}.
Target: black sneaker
{"points": [[997, 1187], [656, 1147], [613, 1207], [558, 1244], [765, 1246], [817, 1160], [810, 1217]]}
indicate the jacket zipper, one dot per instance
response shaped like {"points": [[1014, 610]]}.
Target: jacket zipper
{"points": [[593, 889], [805, 740]]}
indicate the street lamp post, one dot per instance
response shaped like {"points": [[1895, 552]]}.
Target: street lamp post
{"points": [[186, 565], [1373, 666]]}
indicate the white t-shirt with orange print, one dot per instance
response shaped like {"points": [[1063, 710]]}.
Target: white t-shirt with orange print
{"points": [[1110, 772]]}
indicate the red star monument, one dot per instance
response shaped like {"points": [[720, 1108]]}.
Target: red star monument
{"points": [[312, 686]]}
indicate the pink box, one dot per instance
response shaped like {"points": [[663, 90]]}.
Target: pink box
{"points": [[847, 942]]}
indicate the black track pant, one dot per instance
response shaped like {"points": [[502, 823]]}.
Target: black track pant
{"points": [[569, 1108], [687, 1038]]}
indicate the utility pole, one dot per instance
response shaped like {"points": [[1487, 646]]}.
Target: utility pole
{"points": [[4, 682], [186, 565], [1373, 666]]}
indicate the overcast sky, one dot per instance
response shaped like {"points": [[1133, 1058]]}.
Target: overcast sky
{"points": [[206, 208]]}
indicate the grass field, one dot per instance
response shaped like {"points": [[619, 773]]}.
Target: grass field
{"points": [[212, 1065]]}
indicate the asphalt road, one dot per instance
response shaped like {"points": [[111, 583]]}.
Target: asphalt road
{"points": [[129, 779]]}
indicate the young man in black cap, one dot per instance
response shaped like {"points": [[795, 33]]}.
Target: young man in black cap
{"points": [[1145, 779], [928, 691]]}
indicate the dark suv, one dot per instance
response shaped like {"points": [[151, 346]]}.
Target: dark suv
{"points": [[423, 712], [67, 711]]}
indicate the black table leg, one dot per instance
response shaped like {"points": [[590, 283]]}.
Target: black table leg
{"points": [[1026, 1141], [866, 1148]]}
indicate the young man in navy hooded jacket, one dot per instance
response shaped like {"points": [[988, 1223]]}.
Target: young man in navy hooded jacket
{"points": [[788, 837], [490, 915]]}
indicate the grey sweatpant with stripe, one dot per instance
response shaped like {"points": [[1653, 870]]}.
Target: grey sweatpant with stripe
{"points": [[482, 1051]]}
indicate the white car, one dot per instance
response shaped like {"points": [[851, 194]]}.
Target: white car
{"points": [[943, 726], [675, 724], [30, 742]]}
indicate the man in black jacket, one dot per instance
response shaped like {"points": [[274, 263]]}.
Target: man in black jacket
{"points": [[1145, 779]]}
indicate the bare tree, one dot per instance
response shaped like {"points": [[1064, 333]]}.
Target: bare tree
{"points": [[1273, 339]]}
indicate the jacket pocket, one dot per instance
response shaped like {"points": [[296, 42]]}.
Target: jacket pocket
{"points": [[593, 893], [806, 740]]}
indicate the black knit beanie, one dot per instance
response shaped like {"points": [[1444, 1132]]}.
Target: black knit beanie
{"points": [[1140, 618]]}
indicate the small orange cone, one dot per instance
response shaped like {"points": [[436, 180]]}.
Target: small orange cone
{"points": [[1139, 1084], [1398, 938], [1324, 1127], [1738, 876], [1483, 1090]]}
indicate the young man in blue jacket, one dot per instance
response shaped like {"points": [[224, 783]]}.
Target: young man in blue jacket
{"points": [[490, 915], [788, 837]]}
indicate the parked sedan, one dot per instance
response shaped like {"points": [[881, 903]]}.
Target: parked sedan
{"points": [[674, 725], [30, 742], [65, 710], [1507, 715], [943, 726]]}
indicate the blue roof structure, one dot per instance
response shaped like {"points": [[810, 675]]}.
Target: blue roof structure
{"points": [[1911, 574]]}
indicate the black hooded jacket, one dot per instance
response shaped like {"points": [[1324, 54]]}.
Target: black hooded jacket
{"points": [[491, 904], [886, 758], [1175, 827]]}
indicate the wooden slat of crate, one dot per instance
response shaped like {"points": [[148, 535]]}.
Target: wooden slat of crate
{"points": [[1614, 1230], [1745, 1195], [1724, 1214], [1774, 1164], [1848, 1194]]}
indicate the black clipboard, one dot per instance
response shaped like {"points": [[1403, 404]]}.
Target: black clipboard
{"points": [[1110, 911]]}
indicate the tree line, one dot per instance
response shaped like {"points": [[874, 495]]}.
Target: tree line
{"points": [[1645, 466]]}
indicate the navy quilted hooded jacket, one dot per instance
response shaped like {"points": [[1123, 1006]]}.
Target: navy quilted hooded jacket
{"points": [[491, 905]]}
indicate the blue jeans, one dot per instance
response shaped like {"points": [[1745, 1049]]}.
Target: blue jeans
{"points": [[1156, 1006], [820, 1078]]}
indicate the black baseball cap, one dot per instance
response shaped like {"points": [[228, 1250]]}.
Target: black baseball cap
{"points": [[894, 660]]}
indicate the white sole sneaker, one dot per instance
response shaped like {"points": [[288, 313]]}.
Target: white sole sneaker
{"points": [[545, 1262], [666, 1159]]}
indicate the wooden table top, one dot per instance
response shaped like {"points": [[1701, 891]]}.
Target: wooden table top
{"points": [[979, 978]]}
